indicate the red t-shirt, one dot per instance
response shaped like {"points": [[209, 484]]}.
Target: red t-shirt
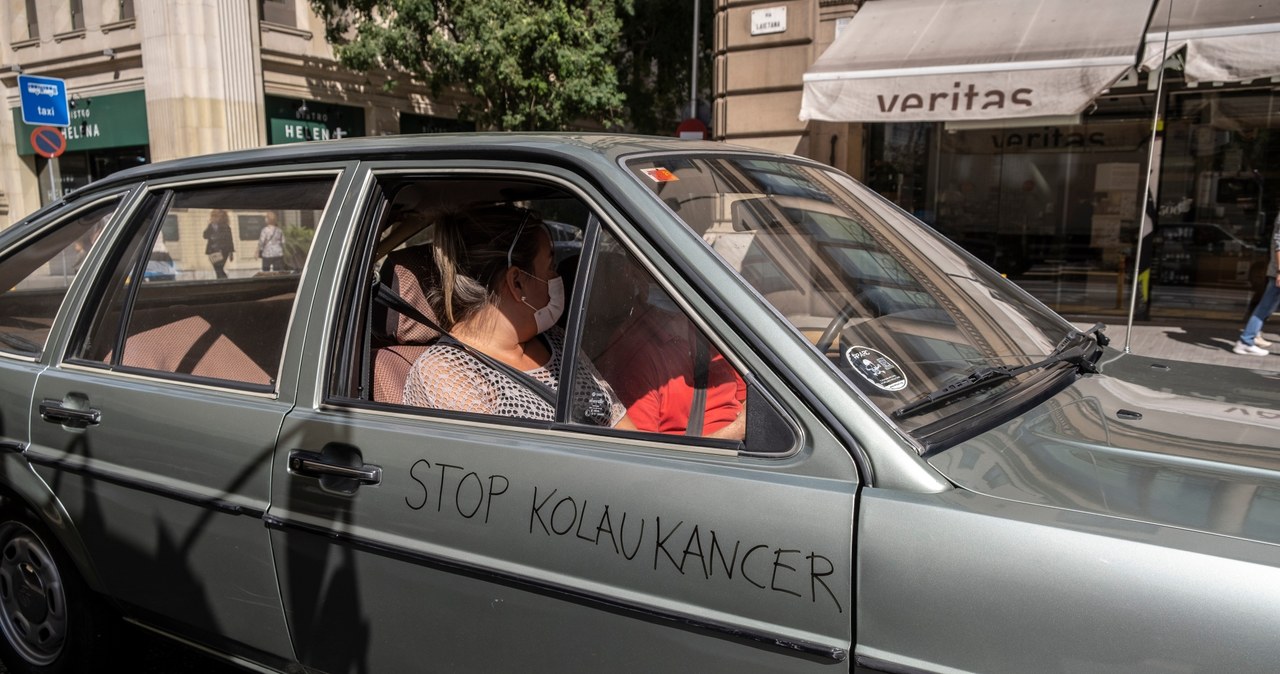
{"points": [[650, 367]]}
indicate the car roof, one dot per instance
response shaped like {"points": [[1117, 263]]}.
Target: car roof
{"points": [[600, 149], [581, 146]]}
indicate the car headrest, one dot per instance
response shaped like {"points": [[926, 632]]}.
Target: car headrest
{"points": [[411, 273]]}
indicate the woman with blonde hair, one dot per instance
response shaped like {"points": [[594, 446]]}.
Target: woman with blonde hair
{"points": [[498, 299]]}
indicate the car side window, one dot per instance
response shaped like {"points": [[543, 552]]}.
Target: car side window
{"points": [[204, 287], [34, 281], [420, 355], [666, 371], [412, 357]]}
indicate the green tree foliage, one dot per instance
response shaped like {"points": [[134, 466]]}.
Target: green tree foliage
{"points": [[654, 62], [527, 64]]}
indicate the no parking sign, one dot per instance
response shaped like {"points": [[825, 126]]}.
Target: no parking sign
{"points": [[48, 141]]}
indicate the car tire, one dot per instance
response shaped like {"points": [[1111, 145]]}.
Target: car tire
{"points": [[50, 622]]}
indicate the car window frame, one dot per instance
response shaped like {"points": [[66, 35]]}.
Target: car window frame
{"points": [[43, 226], [350, 275], [122, 230]]}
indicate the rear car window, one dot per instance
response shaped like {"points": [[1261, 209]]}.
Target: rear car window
{"points": [[34, 280], [204, 287]]}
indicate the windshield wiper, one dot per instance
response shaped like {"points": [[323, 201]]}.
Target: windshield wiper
{"points": [[1074, 348]]}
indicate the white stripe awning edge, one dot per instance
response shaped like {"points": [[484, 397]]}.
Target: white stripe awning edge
{"points": [[971, 68]]}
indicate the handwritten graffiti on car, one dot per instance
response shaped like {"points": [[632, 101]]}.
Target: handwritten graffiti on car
{"points": [[669, 544], [470, 492]]}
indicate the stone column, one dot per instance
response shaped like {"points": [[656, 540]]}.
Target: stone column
{"points": [[204, 76]]}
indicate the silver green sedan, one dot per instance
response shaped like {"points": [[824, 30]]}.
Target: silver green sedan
{"points": [[243, 405]]}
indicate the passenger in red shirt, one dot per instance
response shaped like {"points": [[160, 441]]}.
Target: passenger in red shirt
{"points": [[650, 364]]}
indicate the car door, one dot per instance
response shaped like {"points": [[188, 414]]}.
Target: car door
{"points": [[156, 427], [412, 539], [36, 275]]}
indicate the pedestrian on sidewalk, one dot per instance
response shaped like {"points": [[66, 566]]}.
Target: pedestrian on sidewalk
{"points": [[271, 244], [1251, 342]]}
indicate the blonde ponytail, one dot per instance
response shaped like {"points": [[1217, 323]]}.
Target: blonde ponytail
{"points": [[470, 250]]}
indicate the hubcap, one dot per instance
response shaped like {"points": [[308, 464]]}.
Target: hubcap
{"points": [[33, 603]]}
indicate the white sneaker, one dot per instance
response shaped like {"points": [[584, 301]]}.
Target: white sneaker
{"points": [[1249, 349], [1264, 343]]}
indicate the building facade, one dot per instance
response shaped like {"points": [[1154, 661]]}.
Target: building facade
{"points": [[762, 50], [150, 80], [1054, 201]]}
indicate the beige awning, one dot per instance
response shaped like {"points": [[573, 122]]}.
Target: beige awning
{"points": [[944, 60], [1226, 40]]}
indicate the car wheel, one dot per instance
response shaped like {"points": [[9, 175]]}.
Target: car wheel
{"points": [[49, 621]]}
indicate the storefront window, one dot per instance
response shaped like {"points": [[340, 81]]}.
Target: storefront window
{"points": [[295, 120], [77, 169], [411, 123], [899, 164], [1218, 201], [1057, 208], [108, 133]]}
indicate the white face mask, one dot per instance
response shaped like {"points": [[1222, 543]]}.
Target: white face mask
{"points": [[548, 315]]}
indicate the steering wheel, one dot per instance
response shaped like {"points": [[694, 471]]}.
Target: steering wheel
{"points": [[828, 336]]}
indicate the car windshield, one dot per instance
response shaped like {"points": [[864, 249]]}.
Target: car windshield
{"points": [[901, 311]]}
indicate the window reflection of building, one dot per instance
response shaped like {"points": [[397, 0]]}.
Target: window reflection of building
{"points": [[1056, 208]]}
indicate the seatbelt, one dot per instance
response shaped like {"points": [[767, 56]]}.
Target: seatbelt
{"points": [[392, 300], [701, 368], [366, 359]]}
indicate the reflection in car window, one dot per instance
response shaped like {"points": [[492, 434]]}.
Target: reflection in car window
{"points": [[896, 308], [187, 295], [34, 281]]}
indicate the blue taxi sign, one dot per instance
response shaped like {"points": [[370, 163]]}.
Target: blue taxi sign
{"points": [[43, 100]]}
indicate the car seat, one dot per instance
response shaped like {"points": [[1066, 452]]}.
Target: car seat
{"points": [[410, 273]]}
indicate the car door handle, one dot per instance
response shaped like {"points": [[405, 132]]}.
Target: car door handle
{"points": [[309, 464], [339, 467], [54, 411]]}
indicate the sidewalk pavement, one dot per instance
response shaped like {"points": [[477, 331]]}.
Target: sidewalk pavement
{"points": [[1197, 341]]}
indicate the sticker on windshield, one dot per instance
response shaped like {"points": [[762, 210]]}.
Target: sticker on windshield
{"points": [[660, 175], [876, 368]]}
